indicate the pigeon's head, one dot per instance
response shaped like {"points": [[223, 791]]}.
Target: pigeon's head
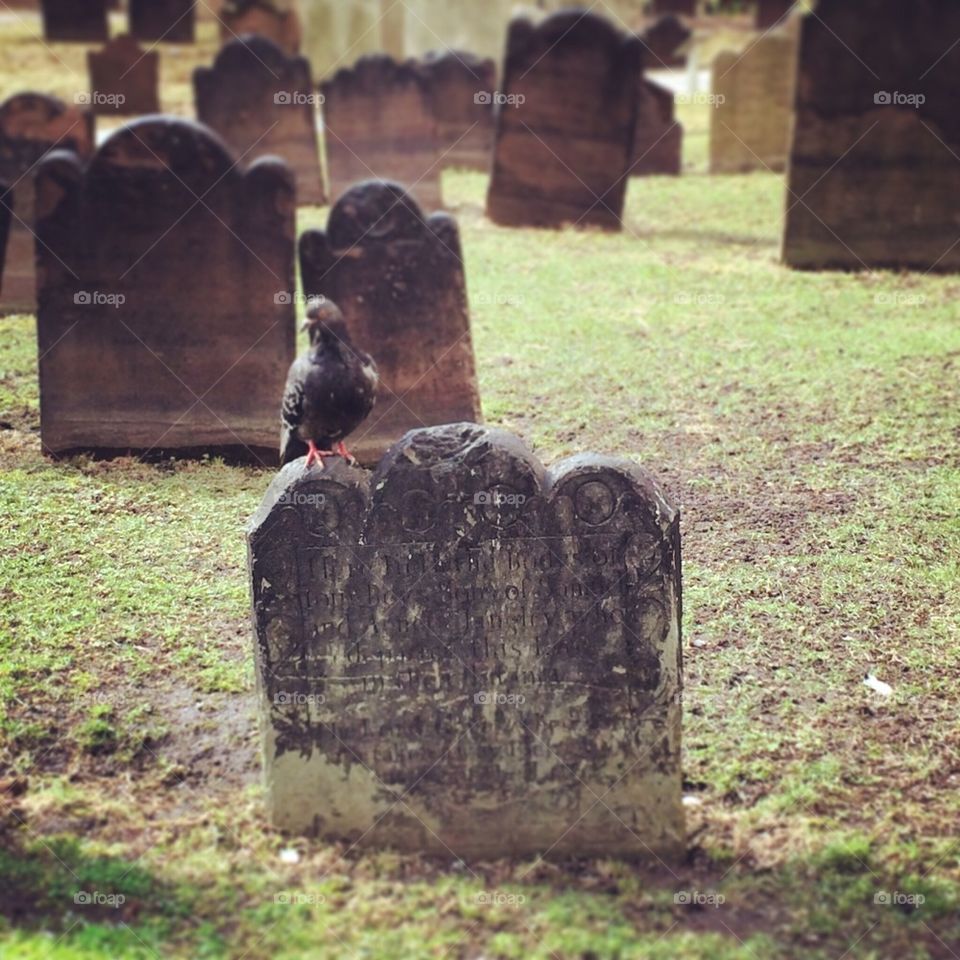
{"points": [[325, 323]]}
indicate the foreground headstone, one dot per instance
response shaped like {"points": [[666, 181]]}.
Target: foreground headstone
{"points": [[31, 125], [163, 21], [277, 20], [873, 169], [124, 79], [658, 138], [163, 323], [770, 13], [399, 280], [262, 102], [463, 88], [755, 90], [75, 21], [468, 655], [565, 129], [379, 122]]}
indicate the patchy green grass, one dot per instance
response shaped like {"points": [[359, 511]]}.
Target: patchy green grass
{"points": [[809, 427]]}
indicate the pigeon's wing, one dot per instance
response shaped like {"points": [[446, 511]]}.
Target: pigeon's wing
{"points": [[291, 412]]}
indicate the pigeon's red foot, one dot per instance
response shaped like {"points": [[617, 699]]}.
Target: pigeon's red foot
{"points": [[346, 454], [316, 456]]}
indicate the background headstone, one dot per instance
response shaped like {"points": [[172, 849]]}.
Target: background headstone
{"points": [[463, 88], [379, 122], [658, 138], [687, 8], [750, 127], [277, 20], [75, 21], [163, 21], [124, 79], [460, 653], [772, 12], [399, 281], [565, 131], [262, 102], [873, 170], [165, 323], [31, 125], [664, 41]]}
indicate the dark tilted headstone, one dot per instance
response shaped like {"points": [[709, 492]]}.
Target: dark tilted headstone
{"points": [[687, 8], [463, 653], [31, 125], [262, 102], [399, 280], [565, 131], [379, 122], [124, 79], [163, 21], [873, 170], [770, 13], [663, 42], [164, 322], [658, 138], [75, 21], [463, 88], [277, 20]]}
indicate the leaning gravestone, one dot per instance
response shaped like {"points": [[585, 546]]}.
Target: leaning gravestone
{"points": [[379, 122], [161, 329], [166, 21], [399, 280], [262, 102], [31, 125], [75, 21], [873, 168], [565, 130], [468, 655], [658, 138], [770, 13], [463, 88], [750, 123], [277, 20], [124, 79]]}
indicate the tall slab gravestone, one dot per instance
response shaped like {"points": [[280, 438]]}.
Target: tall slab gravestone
{"points": [[277, 20], [399, 280], [463, 88], [658, 138], [262, 102], [160, 326], [750, 126], [31, 125], [565, 131], [460, 653], [75, 21], [124, 79], [379, 122], [163, 21], [873, 174]]}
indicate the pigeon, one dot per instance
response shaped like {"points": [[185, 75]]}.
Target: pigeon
{"points": [[330, 390]]}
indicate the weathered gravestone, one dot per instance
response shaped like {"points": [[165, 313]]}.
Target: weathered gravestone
{"points": [[379, 122], [75, 21], [770, 13], [160, 326], [750, 123], [463, 88], [31, 125], [262, 102], [873, 173], [163, 21], [124, 79], [658, 138], [565, 131], [468, 655], [687, 8], [277, 20], [399, 280], [663, 41]]}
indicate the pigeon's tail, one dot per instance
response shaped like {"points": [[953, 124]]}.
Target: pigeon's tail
{"points": [[291, 447]]}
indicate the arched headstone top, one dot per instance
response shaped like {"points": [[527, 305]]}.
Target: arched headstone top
{"points": [[374, 71], [41, 118], [253, 51], [374, 211], [565, 29]]}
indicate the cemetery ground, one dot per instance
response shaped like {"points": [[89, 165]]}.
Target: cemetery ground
{"points": [[808, 425]]}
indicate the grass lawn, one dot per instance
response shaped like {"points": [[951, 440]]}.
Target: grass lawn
{"points": [[808, 426]]}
